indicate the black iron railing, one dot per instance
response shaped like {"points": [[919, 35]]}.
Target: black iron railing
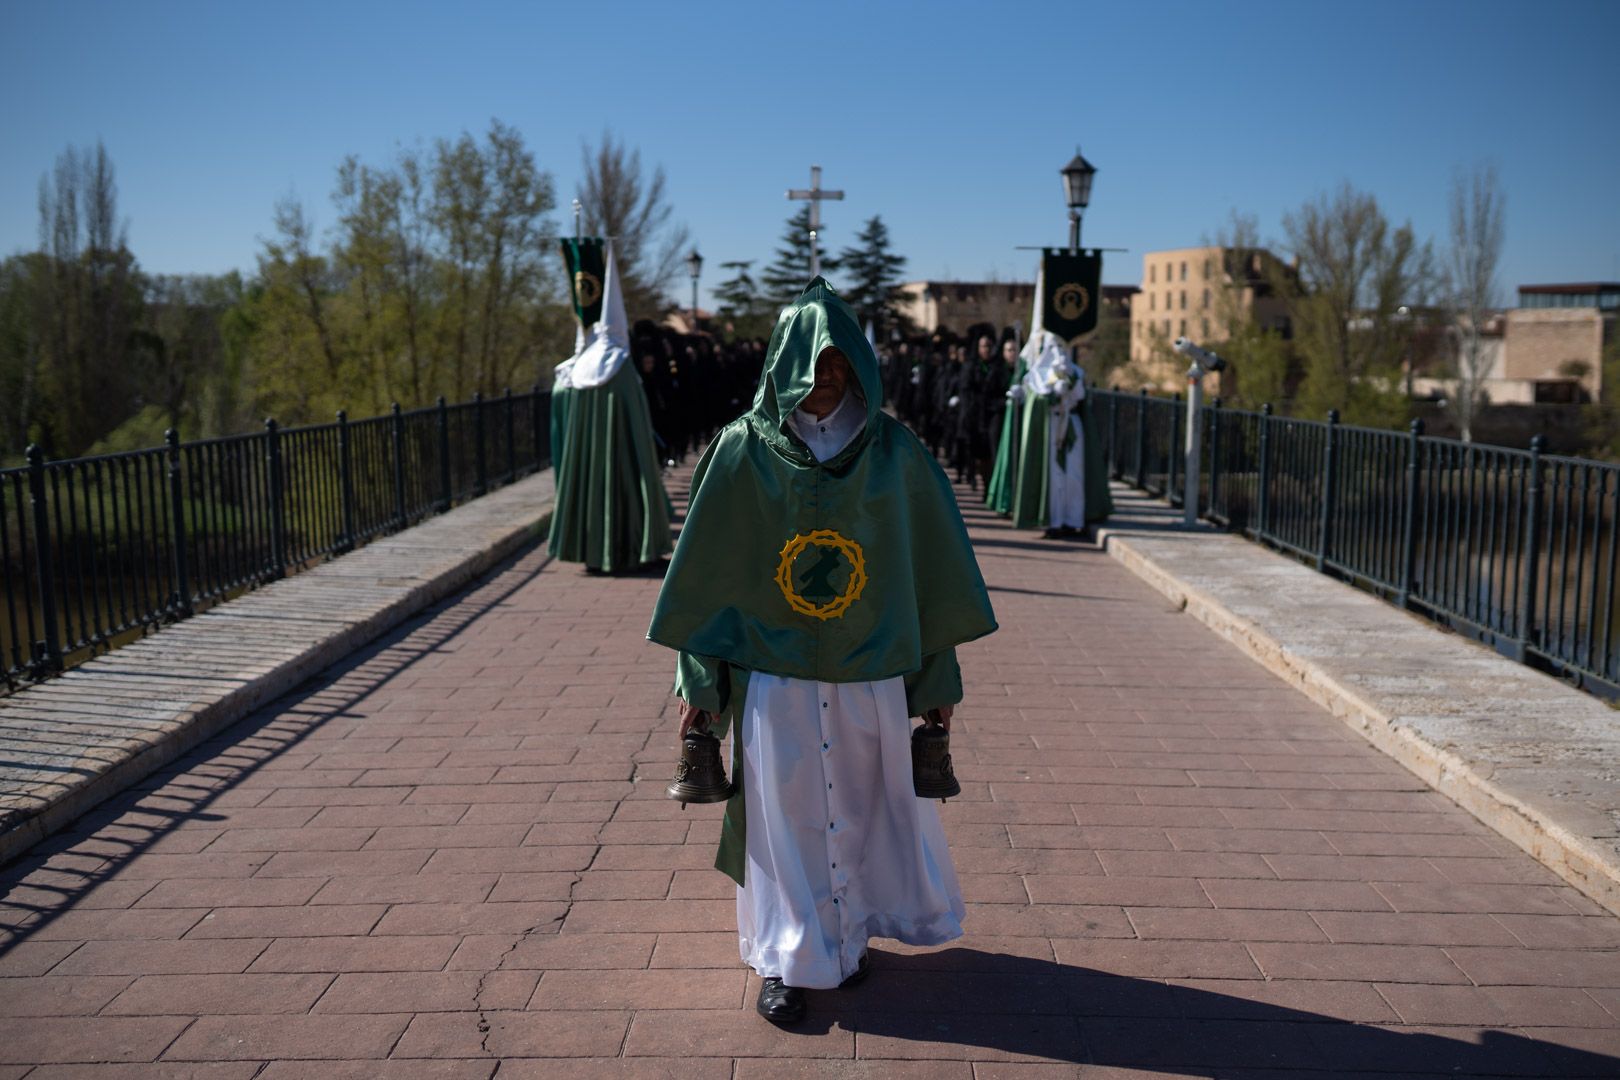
{"points": [[96, 551], [1516, 548]]}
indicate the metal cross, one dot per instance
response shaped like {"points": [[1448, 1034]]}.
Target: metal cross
{"points": [[813, 195]]}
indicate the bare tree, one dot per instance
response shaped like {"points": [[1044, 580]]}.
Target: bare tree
{"points": [[618, 202], [1477, 204], [89, 298]]}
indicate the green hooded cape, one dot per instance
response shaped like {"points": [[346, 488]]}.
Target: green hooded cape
{"points": [[998, 492], [610, 510], [1034, 475], [853, 570]]}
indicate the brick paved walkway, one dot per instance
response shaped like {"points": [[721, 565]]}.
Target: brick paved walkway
{"points": [[452, 859]]}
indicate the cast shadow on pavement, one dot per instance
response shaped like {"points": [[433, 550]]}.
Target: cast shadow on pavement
{"points": [[1002, 1007]]}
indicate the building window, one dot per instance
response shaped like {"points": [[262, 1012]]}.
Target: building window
{"points": [[1206, 298], [1167, 328], [1206, 269], [1152, 273], [1183, 328], [1183, 299], [1153, 302], [1183, 271], [1204, 327]]}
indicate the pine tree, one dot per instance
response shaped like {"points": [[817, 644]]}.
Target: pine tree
{"points": [[744, 311], [738, 294], [786, 278], [873, 272]]}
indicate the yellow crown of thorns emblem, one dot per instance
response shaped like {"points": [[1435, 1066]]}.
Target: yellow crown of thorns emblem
{"points": [[852, 590]]}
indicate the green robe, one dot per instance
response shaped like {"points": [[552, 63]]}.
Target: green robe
{"points": [[752, 587], [562, 398], [611, 510], [1034, 467], [998, 492]]}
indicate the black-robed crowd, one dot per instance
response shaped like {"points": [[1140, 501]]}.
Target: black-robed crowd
{"points": [[950, 390]]}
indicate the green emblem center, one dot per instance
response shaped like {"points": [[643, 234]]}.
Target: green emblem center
{"points": [[822, 573]]}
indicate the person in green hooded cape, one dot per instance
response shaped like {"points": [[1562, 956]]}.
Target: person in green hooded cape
{"points": [[610, 510], [998, 492], [1061, 482], [821, 585]]}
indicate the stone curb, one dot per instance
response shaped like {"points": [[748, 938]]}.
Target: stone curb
{"points": [[72, 742], [1527, 817]]}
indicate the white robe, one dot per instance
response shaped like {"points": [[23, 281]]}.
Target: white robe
{"points": [[839, 847], [1066, 486]]}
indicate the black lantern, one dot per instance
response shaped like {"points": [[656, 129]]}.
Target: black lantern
{"points": [[1077, 176]]}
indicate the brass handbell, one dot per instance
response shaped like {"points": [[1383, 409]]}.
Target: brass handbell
{"points": [[931, 773], [699, 775]]}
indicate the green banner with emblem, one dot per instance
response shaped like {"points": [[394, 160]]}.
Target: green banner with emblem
{"points": [[1071, 293], [586, 260]]}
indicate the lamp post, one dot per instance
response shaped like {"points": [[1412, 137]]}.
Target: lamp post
{"points": [[1077, 176], [694, 266], [1403, 315]]}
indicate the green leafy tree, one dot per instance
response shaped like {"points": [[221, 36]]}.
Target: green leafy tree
{"points": [[1355, 272], [1108, 349], [21, 352], [437, 280], [789, 272], [872, 273]]}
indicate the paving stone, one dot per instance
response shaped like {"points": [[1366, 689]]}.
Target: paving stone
{"points": [[513, 1034], [1378, 963], [199, 995], [338, 954], [243, 1038], [50, 1040], [63, 995], [439, 991], [162, 957]]}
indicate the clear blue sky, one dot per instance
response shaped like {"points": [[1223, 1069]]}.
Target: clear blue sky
{"points": [[949, 119]]}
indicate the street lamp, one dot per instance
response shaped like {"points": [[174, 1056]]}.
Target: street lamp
{"points": [[1077, 177], [694, 266]]}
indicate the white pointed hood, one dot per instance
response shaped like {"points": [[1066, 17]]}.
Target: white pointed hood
{"points": [[607, 347]]}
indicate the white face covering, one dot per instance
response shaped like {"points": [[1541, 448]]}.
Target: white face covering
{"points": [[1048, 362]]}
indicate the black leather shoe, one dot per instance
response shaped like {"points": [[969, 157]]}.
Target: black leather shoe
{"points": [[862, 970], [780, 1004]]}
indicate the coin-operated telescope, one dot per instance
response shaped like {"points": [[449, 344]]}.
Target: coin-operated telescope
{"points": [[1203, 362]]}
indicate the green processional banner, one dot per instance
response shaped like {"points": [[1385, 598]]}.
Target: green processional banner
{"points": [[587, 265], [1073, 292]]}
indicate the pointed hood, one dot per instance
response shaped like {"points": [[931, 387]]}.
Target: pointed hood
{"points": [[608, 346], [817, 319]]}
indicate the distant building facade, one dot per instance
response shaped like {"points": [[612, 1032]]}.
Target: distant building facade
{"points": [[1549, 349], [956, 305], [1182, 295]]}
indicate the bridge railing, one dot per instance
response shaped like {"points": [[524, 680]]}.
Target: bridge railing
{"points": [[97, 551], [1516, 548]]}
